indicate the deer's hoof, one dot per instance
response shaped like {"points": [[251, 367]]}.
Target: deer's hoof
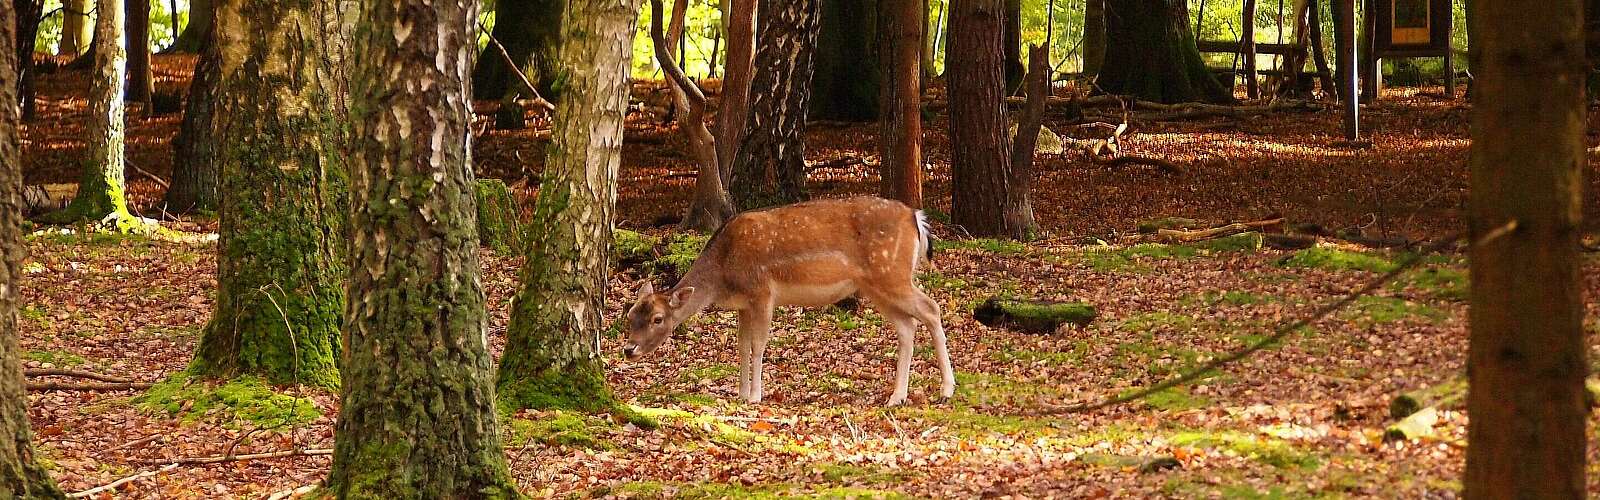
{"points": [[896, 400], [947, 392]]}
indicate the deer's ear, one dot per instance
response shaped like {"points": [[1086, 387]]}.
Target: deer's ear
{"points": [[647, 288], [680, 296]]}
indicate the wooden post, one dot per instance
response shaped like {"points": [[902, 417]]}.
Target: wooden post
{"points": [[1247, 47], [1344, 41]]}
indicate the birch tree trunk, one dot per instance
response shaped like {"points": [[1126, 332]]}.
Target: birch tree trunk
{"points": [[416, 416], [770, 166]]}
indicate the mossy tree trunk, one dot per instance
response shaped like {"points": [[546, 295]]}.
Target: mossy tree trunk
{"points": [[281, 256], [417, 416], [845, 86], [194, 158], [1150, 54], [194, 34], [530, 31], [1526, 353], [552, 347], [21, 475], [770, 166], [76, 32]]}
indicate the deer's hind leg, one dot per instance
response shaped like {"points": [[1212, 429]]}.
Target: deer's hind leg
{"points": [[927, 311]]}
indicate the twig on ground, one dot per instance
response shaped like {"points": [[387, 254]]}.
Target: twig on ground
{"points": [[115, 484], [236, 458], [87, 386], [1163, 165], [67, 372]]}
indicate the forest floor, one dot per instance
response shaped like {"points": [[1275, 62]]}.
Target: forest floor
{"points": [[1305, 419]]}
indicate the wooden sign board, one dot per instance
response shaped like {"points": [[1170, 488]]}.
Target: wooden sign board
{"points": [[1420, 27]]}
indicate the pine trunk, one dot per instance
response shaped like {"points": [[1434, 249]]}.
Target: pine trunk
{"points": [[741, 25], [28, 12], [280, 256], [194, 159], [845, 87], [1150, 54], [21, 475], [981, 200], [76, 31], [194, 34], [141, 80], [553, 344], [770, 166], [417, 416], [1094, 36], [530, 30], [1526, 361], [1013, 46], [102, 193], [900, 130]]}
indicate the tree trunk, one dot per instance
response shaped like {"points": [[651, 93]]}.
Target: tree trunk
{"points": [[28, 12], [141, 80], [102, 194], [1094, 36], [530, 31], [194, 158], [846, 85], [1013, 46], [1150, 54], [416, 415], [741, 25], [981, 156], [193, 37], [76, 32], [710, 205], [21, 475], [280, 255], [770, 167], [553, 344], [900, 130], [1526, 360]]}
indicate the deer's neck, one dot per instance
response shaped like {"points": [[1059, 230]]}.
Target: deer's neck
{"points": [[707, 290]]}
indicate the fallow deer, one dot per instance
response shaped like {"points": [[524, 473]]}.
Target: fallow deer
{"points": [[808, 254]]}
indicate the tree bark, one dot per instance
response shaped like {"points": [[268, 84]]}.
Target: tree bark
{"points": [[1094, 36], [530, 30], [194, 158], [710, 205], [770, 167], [280, 255], [21, 475], [553, 344], [1526, 360], [738, 66], [416, 416], [1150, 54], [193, 37], [844, 87], [141, 80], [981, 200], [1013, 46], [27, 29], [900, 130], [76, 31]]}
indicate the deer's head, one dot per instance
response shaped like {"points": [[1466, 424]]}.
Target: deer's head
{"points": [[652, 319]]}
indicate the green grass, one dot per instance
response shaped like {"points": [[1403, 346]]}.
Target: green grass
{"points": [[61, 359], [1175, 399], [1157, 320], [1440, 282], [1380, 310], [247, 398], [1072, 357], [1338, 260], [990, 245], [935, 280]]}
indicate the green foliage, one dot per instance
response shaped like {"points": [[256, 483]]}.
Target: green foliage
{"points": [[1274, 452], [246, 398], [1338, 260], [682, 250]]}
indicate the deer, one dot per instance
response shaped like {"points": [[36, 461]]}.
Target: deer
{"points": [[809, 254]]}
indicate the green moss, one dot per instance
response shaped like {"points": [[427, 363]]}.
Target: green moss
{"points": [[1132, 258], [682, 250], [582, 388], [935, 280], [1242, 242], [1441, 282], [560, 428], [91, 238], [246, 398], [1157, 320], [1071, 357], [62, 359], [36, 314], [1369, 309], [695, 399], [1270, 451], [498, 225], [1176, 398], [711, 372], [1033, 316], [842, 473], [1338, 260], [990, 245], [632, 246], [1230, 297]]}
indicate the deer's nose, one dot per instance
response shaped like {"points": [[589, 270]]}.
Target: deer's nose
{"points": [[629, 349]]}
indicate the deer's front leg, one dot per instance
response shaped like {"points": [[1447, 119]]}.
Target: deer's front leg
{"points": [[755, 326], [744, 361]]}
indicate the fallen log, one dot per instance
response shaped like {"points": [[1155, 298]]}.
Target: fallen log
{"points": [[1163, 165], [1444, 395], [1183, 236], [1032, 316]]}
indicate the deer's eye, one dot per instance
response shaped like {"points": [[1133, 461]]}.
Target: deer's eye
{"points": [[657, 320]]}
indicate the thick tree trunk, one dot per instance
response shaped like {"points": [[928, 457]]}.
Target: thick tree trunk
{"points": [[770, 167], [530, 31], [1150, 54], [76, 31], [900, 130], [1013, 46], [845, 85], [553, 344], [1526, 362], [416, 416], [28, 12], [738, 66], [141, 79], [981, 201], [193, 37], [281, 253], [1094, 36], [21, 475], [194, 158]]}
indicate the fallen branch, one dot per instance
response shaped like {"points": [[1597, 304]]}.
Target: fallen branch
{"points": [[163, 182], [87, 386], [538, 100], [236, 458], [115, 484], [1278, 335], [1216, 232], [65, 372], [1164, 165]]}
